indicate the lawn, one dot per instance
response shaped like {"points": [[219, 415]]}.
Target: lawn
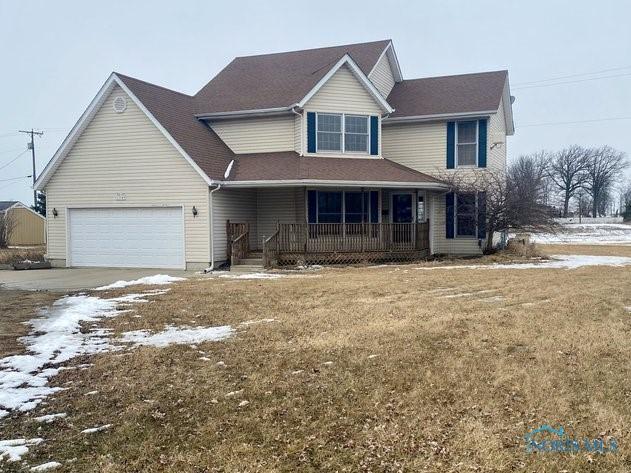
{"points": [[388, 368]]}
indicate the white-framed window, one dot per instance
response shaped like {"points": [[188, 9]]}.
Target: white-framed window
{"points": [[467, 143], [337, 206], [356, 133], [421, 207], [466, 220], [342, 133], [329, 127]]}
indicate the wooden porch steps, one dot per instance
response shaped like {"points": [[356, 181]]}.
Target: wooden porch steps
{"points": [[253, 263]]}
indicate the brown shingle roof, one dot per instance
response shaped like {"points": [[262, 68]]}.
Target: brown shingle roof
{"points": [[278, 80], [449, 94], [176, 113], [290, 166]]}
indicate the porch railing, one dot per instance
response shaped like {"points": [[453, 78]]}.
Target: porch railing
{"points": [[238, 241], [348, 242], [270, 250]]}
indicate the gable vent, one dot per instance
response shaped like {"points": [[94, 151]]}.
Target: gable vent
{"points": [[120, 104]]}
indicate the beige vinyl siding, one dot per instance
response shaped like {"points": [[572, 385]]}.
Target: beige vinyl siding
{"points": [[440, 243], [236, 205], [126, 155], [382, 77], [496, 158], [257, 135], [343, 93], [420, 146], [282, 205], [29, 228]]}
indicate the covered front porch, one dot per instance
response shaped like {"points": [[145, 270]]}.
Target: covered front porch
{"points": [[328, 225]]}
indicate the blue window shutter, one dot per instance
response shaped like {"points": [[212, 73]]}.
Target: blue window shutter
{"points": [[481, 215], [374, 135], [312, 202], [482, 142], [451, 145], [449, 215], [311, 132]]}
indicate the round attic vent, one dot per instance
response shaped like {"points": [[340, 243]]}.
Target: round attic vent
{"points": [[120, 104]]}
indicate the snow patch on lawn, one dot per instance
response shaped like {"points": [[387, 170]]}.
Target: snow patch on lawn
{"points": [[93, 430], [46, 466], [252, 276], [177, 335], [48, 418], [12, 450], [557, 262], [55, 338], [587, 234], [156, 280]]}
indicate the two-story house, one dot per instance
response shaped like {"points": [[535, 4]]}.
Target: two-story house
{"points": [[322, 155]]}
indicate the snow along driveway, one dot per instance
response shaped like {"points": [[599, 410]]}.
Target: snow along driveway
{"points": [[556, 262]]}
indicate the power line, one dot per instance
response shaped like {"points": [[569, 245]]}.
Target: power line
{"points": [[15, 178], [572, 75], [575, 122], [571, 81], [13, 160]]}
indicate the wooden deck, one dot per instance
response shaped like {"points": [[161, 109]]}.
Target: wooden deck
{"points": [[338, 243]]}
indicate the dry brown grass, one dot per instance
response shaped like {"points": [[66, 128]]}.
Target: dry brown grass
{"points": [[455, 384], [17, 307], [14, 255], [597, 250]]}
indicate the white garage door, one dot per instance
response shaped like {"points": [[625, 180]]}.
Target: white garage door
{"points": [[126, 237]]}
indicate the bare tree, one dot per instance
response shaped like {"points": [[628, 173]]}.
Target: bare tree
{"points": [[512, 199], [567, 169], [604, 170], [7, 225]]}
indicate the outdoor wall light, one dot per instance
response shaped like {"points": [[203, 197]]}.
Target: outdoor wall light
{"points": [[55, 213], [194, 211]]}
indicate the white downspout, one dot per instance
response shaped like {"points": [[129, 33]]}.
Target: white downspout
{"points": [[301, 115], [210, 228]]}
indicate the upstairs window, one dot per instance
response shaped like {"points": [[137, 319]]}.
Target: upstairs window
{"points": [[340, 133], [355, 134], [329, 132], [467, 143]]}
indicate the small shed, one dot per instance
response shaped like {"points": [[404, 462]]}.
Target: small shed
{"points": [[30, 227]]}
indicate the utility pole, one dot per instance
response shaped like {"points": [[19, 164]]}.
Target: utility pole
{"points": [[31, 146]]}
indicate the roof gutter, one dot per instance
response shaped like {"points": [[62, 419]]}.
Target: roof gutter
{"points": [[334, 183], [435, 117], [246, 113]]}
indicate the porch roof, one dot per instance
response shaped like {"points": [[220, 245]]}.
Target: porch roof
{"points": [[290, 169]]}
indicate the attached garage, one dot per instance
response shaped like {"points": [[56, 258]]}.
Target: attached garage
{"points": [[134, 237]]}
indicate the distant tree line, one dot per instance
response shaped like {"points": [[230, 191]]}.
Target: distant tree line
{"points": [[586, 177]]}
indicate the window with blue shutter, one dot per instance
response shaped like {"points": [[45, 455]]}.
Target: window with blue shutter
{"points": [[311, 132], [374, 135], [482, 143], [312, 204], [451, 145], [449, 215], [481, 215]]}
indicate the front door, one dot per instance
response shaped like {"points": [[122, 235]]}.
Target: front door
{"points": [[402, 213]]}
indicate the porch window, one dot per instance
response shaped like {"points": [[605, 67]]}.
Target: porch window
{"points": [[466, 215], [329, 132], [467, 143], [329, 207], [343, 206], [355, 134]]}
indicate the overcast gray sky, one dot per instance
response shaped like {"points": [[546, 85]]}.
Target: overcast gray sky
{"points": [[56, 55]]}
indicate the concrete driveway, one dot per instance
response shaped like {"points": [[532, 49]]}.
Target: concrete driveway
{"points": [[74, 279]]}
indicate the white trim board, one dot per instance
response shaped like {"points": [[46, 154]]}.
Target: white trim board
{"points": [[359, 75], [22, 206], [394, 62], [87, 117]]}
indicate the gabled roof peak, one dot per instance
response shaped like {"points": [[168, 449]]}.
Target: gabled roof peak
{"points": [[383, 42]]}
